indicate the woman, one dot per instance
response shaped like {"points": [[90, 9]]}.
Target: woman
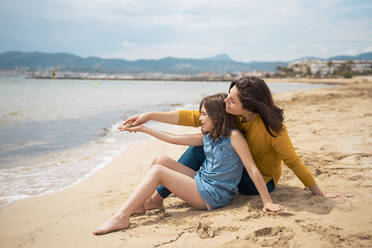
{"points": [[265, 133]]}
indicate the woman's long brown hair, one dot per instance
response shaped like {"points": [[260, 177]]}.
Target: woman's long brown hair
{"points": [[256, 97]]}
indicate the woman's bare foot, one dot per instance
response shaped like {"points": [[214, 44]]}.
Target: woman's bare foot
{"points": [[114, 224]]}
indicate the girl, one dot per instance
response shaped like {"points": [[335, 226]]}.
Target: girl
{"points": [[215, 184]]}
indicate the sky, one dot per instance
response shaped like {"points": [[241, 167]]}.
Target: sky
{"points": [[246, 30]]}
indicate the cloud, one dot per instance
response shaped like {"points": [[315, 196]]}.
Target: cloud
{"points": [[368, 49], [246, 30], [127, 44], [352, 52]]}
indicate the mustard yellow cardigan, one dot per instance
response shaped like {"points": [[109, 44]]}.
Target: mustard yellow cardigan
{"points": [[268, 152]]}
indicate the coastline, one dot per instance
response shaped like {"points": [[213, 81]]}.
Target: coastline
{"points": [[330, 129], [333, 81]]}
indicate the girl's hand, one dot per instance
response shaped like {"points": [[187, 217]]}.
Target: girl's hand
{"points": [[272, 207], [337, 195], [137, 120], [131, 129]]}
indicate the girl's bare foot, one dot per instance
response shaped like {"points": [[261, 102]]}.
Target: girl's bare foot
{"points": [[139, 211], [114, 224], [153, 204], [149, 205]]}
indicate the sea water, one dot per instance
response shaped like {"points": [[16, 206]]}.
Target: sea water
{"points": [[55, 133]]}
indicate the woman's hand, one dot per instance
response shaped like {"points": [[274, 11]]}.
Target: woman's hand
{"points": [[137, 120], [316, 191], [272, 207]]}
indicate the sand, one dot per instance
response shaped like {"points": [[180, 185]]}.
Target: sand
{"points": [[331, 129]]}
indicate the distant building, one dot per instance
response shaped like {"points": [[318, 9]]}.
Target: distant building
{"points": [[324, 68], [361, 66], [207, 74], [255, 73], [230, 75], [258, 73]]}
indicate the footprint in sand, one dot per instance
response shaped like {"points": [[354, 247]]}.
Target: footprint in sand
{"points": [[260, 214], [317, 172], [335, 237], [151, 217], [271, 236], [228, 229], [178, 205], [283, 214], [204, 231], [253, 216], [358, 178]]}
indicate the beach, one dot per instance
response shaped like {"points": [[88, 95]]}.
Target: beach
{"points": [[331, 131]]}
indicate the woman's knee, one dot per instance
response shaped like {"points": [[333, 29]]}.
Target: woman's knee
{"points": [[161, 159]]}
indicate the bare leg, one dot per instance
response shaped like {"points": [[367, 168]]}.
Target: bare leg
{"points": [[181, 185], [156, 201]]}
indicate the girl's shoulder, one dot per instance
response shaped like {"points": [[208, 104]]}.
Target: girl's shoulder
{"points": [[235, 133], [236, 138]]}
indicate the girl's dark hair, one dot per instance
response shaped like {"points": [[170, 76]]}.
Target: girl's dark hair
{"points": [[222, 121], [256, 97]]}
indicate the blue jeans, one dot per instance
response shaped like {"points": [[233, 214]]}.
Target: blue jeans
{"points": [[194, 157]]}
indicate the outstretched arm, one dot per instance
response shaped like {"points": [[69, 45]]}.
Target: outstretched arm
{"points": [[170, 117], [241, 147], [178, 139], [180, 117]]}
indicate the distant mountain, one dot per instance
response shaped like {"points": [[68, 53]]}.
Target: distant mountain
{"points": [[221, 63], [362, 56], [220, 57], [63, 61], [307, 58]]}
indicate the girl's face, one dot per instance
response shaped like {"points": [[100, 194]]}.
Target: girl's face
{"points": [[233, 104], [206, 122]]}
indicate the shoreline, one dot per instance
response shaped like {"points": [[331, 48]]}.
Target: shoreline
{"points": [[332, 81], [78, 181], [329, 129], [107, 159]]}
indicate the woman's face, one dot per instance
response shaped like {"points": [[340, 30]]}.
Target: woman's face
{"points": [[233, 104], [206, 122]]}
